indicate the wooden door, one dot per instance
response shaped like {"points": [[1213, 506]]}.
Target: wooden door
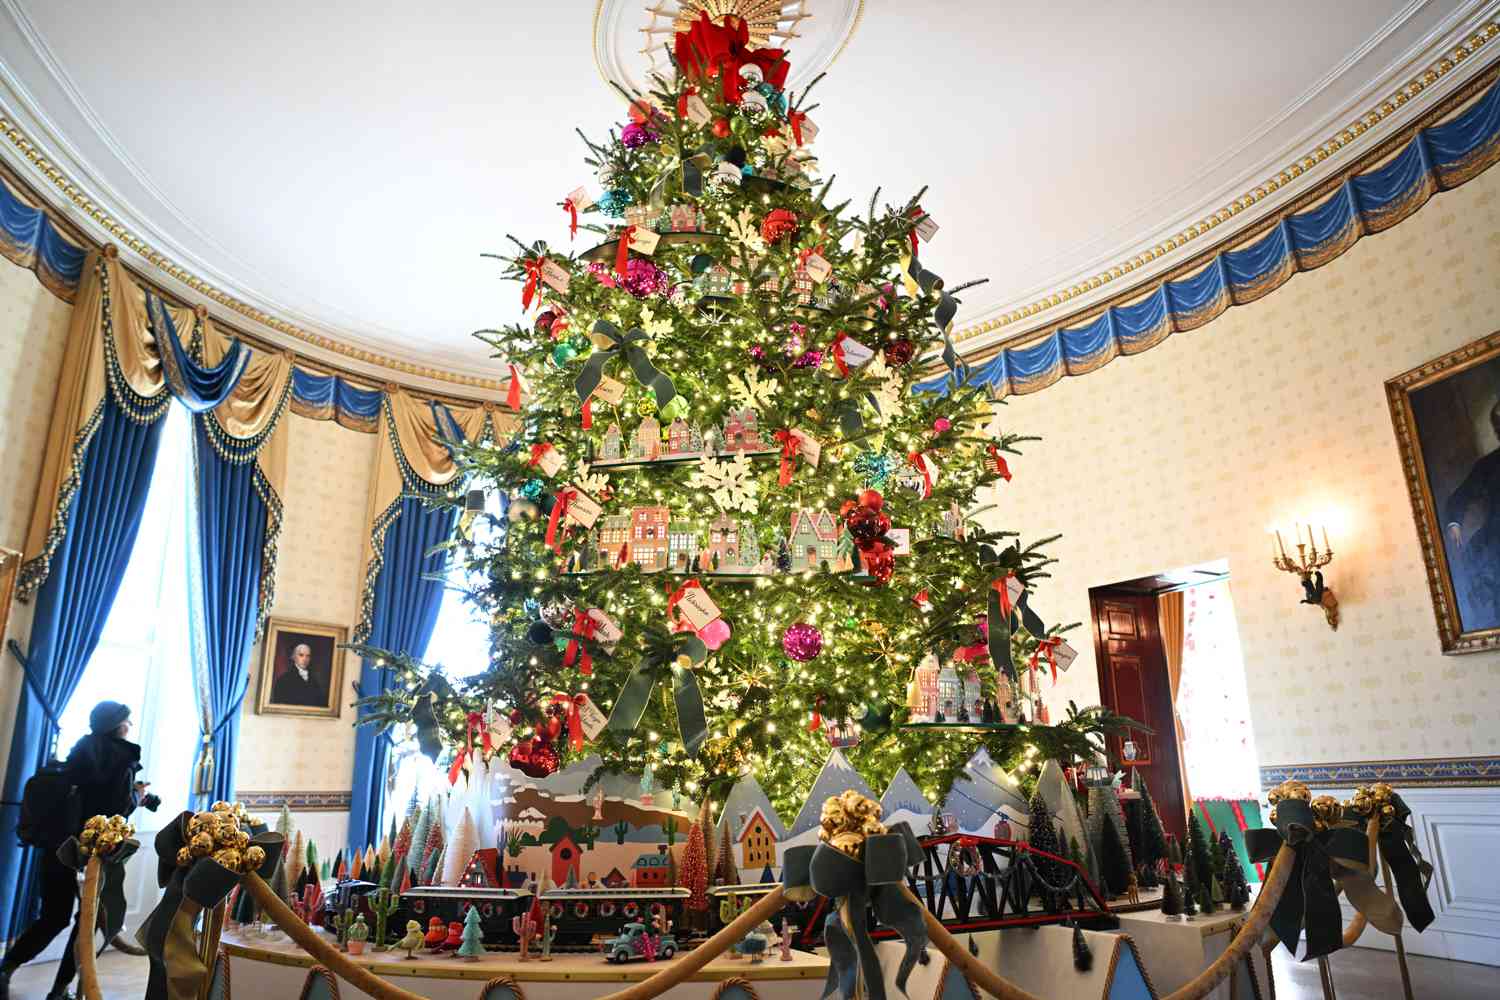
{"points": [[1133, 681]]}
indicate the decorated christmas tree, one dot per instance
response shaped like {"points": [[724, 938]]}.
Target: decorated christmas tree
{"points": [[694, 875], [727, 509]]}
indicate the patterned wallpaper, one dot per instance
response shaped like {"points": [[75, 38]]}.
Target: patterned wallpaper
{"points": [[318, 579], [1275, 411], [33, 331]]}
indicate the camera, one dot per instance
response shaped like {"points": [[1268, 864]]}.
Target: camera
{"points": [[151, 801]]}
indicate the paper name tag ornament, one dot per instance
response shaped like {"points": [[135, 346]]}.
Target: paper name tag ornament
{"points": [[818, 268], [583, 509], [555, 275], [1064, 655], [927, 229], [592, 719], [697, 110], [606, 633], [609, 390], [643, 240], [808, 447], [550, 462]]}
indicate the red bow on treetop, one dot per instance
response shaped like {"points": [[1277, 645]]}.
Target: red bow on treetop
{"points": [[706, 50]]}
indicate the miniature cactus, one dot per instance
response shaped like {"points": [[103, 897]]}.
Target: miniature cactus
{"points": [[341, 924], [358, 934], [525, 929], [547, 936], [383, 903]]}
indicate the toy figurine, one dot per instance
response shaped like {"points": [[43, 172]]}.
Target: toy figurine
{"points": [[413, 939], [788, 931], [758, 942], [1133, 889], [437, 933], [455, 936], [359, 933]]}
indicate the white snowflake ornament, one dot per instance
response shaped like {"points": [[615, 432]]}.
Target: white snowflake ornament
{"points": [[752, 391], [730, 483]]}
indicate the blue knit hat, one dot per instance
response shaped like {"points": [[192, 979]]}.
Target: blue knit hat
{"points": [[107, 716]]}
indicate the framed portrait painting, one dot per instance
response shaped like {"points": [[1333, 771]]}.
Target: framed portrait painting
{"points": [[1447, 418], [301, 669]]}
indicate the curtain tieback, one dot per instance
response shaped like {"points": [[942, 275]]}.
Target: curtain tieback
{"points": [[203, 769], [31, 682]]}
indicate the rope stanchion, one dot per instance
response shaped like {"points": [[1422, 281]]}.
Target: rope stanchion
{"points": [[689, 963], [88, 916], [307, 938]]}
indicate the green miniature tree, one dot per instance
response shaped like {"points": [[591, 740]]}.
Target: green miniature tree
{"points": [[1114, 866], [1236, 886], [621, 828], [1153, 847], [726, 872], [1171, 897], [1216, 862], [472, 945], [1043, 837], [1199, 860], [669, 828], [1189, 893]]}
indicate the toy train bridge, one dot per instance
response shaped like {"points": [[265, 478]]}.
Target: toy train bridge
{"points": [[975, 883]]}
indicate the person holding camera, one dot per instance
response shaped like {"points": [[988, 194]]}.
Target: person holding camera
{"points": [[98, 779]]}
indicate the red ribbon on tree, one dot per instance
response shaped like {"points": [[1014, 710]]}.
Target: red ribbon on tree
{"points": [[707, 50], [915, 458], [791, 446], [533, 268], [586, 415], [682, 100], [673, 599], [622, 252], [838, 353], [583, 628], [475, 721], [1046, 647], [816, 722], [559, 511], [795, 118], [1004, 592], [513, 391], [572, 211], [537, 451], [575, 720], [997, 464]]}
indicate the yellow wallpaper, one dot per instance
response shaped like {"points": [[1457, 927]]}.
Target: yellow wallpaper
{"points": [[33, 330], [318, 579], [1275, 411]]}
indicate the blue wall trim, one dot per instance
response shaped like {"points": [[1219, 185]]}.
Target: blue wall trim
{"points": [[1471, 771]]}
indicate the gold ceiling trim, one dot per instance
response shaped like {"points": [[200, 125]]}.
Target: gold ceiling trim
{"points": [[1364, 123], [145, 251]]}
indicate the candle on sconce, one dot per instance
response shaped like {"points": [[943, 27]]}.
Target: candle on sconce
{"points": [[1280, 544], [1326, 546]]}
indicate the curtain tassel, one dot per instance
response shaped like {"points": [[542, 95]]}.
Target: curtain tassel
{"points": [[203, 769]]}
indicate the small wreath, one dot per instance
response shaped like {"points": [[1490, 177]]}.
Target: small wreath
{"points": [[632, 908], [657, 908], [487, 909], [580, 909], [606, 909], [556, 910], [419, 906]]}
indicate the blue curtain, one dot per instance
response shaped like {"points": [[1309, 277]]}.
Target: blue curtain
{"points": [[405, 612], [232, 527], [71, 608]]}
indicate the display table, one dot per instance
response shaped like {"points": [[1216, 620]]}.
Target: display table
{"points": [[1176, 950], [261, 968]]}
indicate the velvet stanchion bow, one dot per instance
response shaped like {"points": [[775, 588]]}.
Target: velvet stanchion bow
{"points": [[630, 703], [112, 904], [707, 50], [860, 885], [631, 345], [177, 970], [1397, 844], [1311, 900]]}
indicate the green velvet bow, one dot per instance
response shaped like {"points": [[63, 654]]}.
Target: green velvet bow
{"points": [[1310, 901]]}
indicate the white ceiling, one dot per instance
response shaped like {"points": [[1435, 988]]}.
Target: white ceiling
{"points": [[344, 164]]}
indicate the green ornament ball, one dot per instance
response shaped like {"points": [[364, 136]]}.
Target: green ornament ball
{"points": [[564, 352], [646, 405], [676, 409], [582, 346]]}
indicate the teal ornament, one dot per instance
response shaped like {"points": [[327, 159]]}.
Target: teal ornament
{"points": [[582, 346], [532, 489], [747, 170], [563, 352], [875, 468], [775, 98], [613, 202]]}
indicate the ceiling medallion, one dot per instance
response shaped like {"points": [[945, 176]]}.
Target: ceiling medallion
{"points": [[632, 37]]}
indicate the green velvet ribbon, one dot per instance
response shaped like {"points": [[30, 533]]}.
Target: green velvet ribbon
{"points": [[631, 345], [868, 884], [1310, 901], [635, 694], [1397, 843], [111, 914], [947, 308]]}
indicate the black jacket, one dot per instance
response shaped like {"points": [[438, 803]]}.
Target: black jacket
{"points": [[104, 769]]}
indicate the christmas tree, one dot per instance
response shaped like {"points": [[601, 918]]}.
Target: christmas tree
{"points": [[1200, 863], [1114, 875], [430, 851], [1043, 836], [1171, 897], [1152, 849], [736, 357], [472, 946], [465, 842], [726, 872], [1232, 874], [695, 878]]}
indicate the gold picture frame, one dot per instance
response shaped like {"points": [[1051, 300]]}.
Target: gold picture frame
{"points": [[1440, 410], [282, 689], [10, 569]]}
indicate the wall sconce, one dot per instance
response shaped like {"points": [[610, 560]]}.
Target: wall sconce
{"points": [[1308, 565]]}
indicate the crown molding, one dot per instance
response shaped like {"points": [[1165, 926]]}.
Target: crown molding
{"points": [[1420, 78]]}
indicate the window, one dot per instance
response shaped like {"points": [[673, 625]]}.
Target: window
{"points": [[460, 644], [143, 657], [1217, 742]]}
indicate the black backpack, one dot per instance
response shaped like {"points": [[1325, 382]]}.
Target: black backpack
{"points": [[51, 811]]}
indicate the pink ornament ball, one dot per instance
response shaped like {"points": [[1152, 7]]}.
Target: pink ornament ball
{"points": [[801, 642], [940, 425], [643, 278]]}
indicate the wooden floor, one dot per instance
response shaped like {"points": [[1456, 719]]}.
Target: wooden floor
{"points": [[1358, 974]]}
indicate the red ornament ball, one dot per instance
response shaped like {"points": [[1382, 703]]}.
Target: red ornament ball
{"points": [[778, 224], [534, 758], [801, 642], [721, 128], [899, 352], [866, 525], [879, 561], [871, 499], [544, 320]]}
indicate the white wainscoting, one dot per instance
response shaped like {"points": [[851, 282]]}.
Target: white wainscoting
{"points": [[1458, 830]]}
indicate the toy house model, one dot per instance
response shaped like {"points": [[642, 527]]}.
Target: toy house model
{"points": [[812, 539], [646, 445], [949, 693], [683, 439], [922, 697], [741, 432], [682, 548], [612, 448], [683, 218], [565, 859], [652, 870], [648, 537], [616, 879], [802, 284], [732, 546], [973, 697], [614, 537], [757, 842]]}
